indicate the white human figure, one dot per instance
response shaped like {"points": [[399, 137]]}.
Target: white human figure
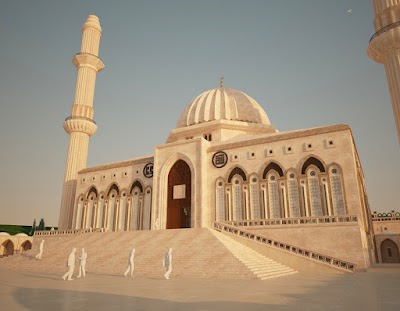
{"points": [[82, 263], [167, 263], [70, 265], [39, 256], [131, 264], [157, 224]]}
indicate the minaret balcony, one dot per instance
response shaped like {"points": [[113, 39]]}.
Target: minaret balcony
{"points": [[88, 60], [80, 124]]}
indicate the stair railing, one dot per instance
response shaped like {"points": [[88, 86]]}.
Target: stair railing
{"points": [[300, 251]]}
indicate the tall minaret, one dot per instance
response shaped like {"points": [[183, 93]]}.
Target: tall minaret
{"points": [[384, 48], [80, 125]]}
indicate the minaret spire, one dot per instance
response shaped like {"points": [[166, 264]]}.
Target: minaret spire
{"points": [[80, 125], [384, 48]]}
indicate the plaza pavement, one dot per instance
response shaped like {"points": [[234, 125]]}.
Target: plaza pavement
{"points": [[378, 289]]}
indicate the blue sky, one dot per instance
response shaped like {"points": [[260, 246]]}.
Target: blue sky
{"points": [[304, 61]]}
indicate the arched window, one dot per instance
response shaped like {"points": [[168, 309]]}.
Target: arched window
{"points": [[293, 195], [274, 200], [220, 200], [312, 161], [338, 201], [273, 166], [79, 213], [237, 171], [237, 199], [89, 213], [314, 191], [111, 209], [255, 208], [136, 208], [147, 209], [100, 212], [122, 212]]}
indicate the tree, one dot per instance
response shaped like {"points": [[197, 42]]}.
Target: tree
{"points": [[33, 228], [41, 225]]}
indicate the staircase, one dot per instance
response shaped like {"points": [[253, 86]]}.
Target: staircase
{"points": [[263, 267], [197, 253]]}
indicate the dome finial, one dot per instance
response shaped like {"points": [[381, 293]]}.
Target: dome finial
{"points": [[221, 82]]}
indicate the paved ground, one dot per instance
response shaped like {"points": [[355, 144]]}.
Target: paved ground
{"points": [[378, 289]]}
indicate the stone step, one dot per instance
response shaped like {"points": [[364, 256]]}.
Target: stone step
{"points": [[263, 267], [278, 275]]}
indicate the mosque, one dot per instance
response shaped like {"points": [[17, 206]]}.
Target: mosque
{"points": [[223, 163]]}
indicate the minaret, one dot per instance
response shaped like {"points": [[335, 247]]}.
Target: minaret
{"points": [[384, 48], [80, 125]]}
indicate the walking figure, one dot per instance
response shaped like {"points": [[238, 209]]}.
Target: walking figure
{"points": [[39, 256], [131, 264], [82, 263], [167, 263], [70, 265]]}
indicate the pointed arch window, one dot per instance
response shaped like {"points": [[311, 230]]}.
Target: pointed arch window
{"points": [[338, 200]]}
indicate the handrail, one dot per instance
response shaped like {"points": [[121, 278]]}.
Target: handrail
{"points": [[293, 221], [67, 232], [384, 29], [79, 118], [305, 253]]}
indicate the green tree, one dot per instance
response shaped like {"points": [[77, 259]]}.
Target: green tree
{"points": [[42, 225], [33, 228]]}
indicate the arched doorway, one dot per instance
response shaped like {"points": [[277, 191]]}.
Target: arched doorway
{"points": [[8, 248], [390, 252], [25, 246], [179, 196]]}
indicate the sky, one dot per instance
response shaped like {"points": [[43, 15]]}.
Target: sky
{"points": [[303, 61]]}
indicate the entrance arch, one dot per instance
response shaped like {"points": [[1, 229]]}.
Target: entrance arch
{"points": [[7, 248], [179, 196], [390, 252], [25, 246]]}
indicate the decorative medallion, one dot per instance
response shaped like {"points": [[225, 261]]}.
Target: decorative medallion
{"points": [[148, 170], [219, 159]]}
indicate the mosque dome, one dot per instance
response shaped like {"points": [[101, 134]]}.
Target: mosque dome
{"points": [[222, 104]]}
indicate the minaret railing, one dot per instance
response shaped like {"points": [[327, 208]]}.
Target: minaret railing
{"points": [[384, 29]]}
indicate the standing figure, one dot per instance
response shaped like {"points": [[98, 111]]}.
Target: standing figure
{"points": [[131, 264], [39, 256], [167, 263], [82, 263], [70, 265]]}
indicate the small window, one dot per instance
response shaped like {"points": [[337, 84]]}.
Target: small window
{"points": [[269, 152], [83, 180], [251, 155], [103, 177], [93, 178], [288, 149], [389, 252], [329, 143], [235, 158], [207, 137]]}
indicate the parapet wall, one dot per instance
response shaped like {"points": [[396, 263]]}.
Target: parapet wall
{"points": [[344, 241]]}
